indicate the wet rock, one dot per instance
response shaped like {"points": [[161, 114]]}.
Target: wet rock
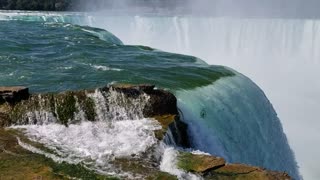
{"points": [[165, 121], [161, 102], [198, 163], [216, 168], [179, 131], [13, 95], [242, 172], [142, 168], [126, 88], [162, 106], [5, 109], [4, 119]]}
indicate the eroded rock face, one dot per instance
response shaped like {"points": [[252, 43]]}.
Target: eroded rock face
{"points": [[216, 168]]}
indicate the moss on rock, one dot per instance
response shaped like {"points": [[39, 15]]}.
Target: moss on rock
{"points": [[66, 107], [5, 109], [214, 168], [198, 163], [165, 121], [243, 172], [161, 176], [89, 108], [142, 168], [18, 163]]}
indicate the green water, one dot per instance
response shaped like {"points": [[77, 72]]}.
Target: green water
{"points": [[56, 57]]}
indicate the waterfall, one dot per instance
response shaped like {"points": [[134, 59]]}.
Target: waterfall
{"points": [[101, 125], [280, 55], [210, 38], [231, 117]]}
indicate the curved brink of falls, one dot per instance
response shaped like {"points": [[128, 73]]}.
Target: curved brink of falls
{"points": [[232, 118]]}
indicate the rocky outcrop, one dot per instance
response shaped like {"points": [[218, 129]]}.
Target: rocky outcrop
{"points": [[114, 102], [241, 171], [216, 168], [198, 163], [160, 102], [13, 95], [18, 107], [9, 96]]}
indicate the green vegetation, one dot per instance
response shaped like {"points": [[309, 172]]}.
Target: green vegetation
{"points": [[76, 170], [66, 107], [142, 168], [63, 106], [165, 121], [87, 105]]}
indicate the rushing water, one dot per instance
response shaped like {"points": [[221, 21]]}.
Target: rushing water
{"points": [[280, 55], [227, 113]]}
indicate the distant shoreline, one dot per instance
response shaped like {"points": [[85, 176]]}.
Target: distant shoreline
{"points": [[84, 5], [34, 5]]}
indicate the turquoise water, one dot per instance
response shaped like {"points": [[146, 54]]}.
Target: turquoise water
{"points": [[227, 114], [56, 57]]}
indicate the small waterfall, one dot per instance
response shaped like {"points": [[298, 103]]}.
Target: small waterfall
{"points": [[219, 40], [73, 107], [118, 106], [87, 127]]}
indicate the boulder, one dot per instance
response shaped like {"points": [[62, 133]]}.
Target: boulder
{"points": [[14, 94], [161, 102]]}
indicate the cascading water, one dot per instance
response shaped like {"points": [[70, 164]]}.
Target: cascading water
{"points": [[120, 130], [239, 128], [217, 100]]}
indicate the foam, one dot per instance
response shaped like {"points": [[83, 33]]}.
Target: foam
{"points": [[96, 143]]}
